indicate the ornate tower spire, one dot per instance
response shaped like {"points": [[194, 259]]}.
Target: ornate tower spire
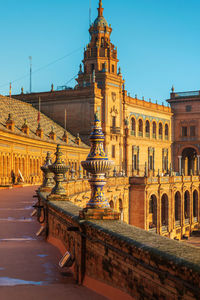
{"points": [[100, 9]]}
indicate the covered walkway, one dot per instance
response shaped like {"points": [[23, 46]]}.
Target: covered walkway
{"points": [[28, 265]]}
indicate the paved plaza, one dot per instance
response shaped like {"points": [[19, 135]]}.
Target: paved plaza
{"points": [[29, 266]]}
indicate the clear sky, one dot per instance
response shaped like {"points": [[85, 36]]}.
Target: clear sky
{"points": [[158, 43]]}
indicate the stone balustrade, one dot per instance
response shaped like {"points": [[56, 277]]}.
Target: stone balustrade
{"points": [[117, 259]]}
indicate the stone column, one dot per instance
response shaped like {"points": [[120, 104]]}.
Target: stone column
{"points": [[180, 164]]}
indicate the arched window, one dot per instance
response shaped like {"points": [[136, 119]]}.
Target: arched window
{"points": [[140, 128], [187, 207], [195, 206], [164, 211], [147, 129], [166, 132], [121, 209], [154, 130], [152, 212], [133, 126], [160, 131], [178, 208], [111, 204]]}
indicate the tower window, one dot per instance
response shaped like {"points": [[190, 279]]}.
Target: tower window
{"points": [[92, 67], [113, 121], [192, 130], [188, 108], [113, 68], [113, 151], [184, 131]]}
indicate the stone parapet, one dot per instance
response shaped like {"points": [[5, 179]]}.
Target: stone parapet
{"points": [[125, 260]]}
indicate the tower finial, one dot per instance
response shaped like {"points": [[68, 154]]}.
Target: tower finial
{"points": [[100, 8]]}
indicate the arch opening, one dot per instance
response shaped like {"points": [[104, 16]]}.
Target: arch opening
{"points": [[152, 212], [189, 161], [177, 209], [164, 212], [187, 207], [195, 206]]}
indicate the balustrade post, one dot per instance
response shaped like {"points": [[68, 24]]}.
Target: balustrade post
{"points": [[59, 169], [97, 164], [48, 181]]}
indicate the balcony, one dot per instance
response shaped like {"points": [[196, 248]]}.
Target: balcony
{"points": [[186, 94], [187, 221], [140, 133], [160, 136], [164, 228], [194, 219], [177, 223], [133, 132], [154, 135], [153, 229], [115, 130], [166, 137], [147, 134]]}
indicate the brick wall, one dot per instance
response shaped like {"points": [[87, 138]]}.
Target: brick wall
{"points": [[119, 260]]}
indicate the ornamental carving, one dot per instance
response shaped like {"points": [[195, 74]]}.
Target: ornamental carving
{"points": [[114, 110]]}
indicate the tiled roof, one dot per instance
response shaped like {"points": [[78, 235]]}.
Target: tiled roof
{"points": [[21, 111]]}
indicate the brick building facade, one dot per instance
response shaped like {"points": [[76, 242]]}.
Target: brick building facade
{"points": [[145, 139]]}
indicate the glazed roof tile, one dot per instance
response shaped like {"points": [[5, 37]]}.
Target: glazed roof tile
{"points": [[21, 111]]}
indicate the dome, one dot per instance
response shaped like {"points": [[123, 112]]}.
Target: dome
{"points": [[100, 21]]}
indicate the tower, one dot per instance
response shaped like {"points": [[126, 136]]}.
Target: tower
{"points": [[101, 67]]}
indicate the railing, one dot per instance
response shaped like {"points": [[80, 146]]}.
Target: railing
{"points": [[195, 219], [164, 228], [115, 130], [187, 221], [133, 132], [177, 223], [140, 133], [153, 230], [166, 137], [187, 94], [154, 135], [160, 136], [147, 134]]}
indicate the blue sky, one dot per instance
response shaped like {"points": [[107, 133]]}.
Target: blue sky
{"points": [[158, 43]]}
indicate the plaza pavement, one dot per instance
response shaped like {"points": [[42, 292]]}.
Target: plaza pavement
{"points": [[29, 265]]}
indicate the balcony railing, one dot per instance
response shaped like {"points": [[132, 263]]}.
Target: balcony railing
{"points": [[177, 223], [153, 229], [115, 130], [147, 134], [194, 219], [166, 137], [160, 136], [154, 135], [140, 133], [164, 228], [133, 132], [187, 221], [187, 94]]}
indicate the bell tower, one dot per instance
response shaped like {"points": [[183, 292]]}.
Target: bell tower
{"points": [[100, 55], [100, 68]]}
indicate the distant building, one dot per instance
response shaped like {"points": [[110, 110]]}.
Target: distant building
{"points": [[25, 137], [186, 131], [150, 143]]}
